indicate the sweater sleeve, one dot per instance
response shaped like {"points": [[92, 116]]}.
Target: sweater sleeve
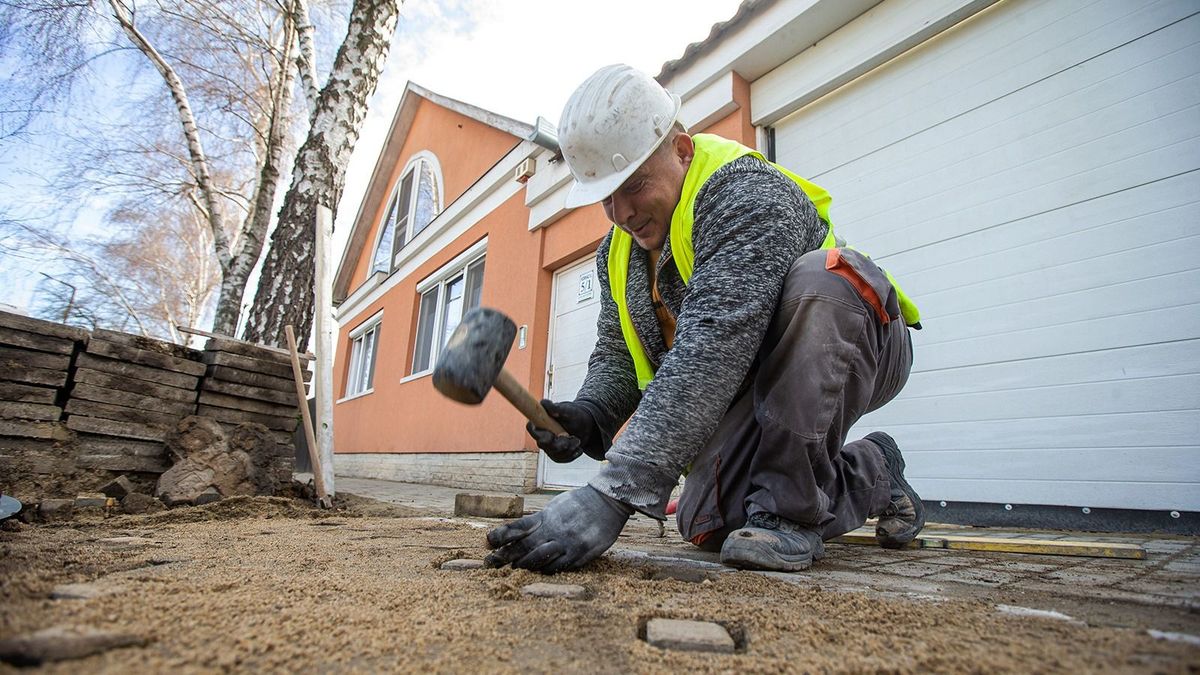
{"points": [[750, 224]]}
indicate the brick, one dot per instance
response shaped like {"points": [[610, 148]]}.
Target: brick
{"points": [[118, 382], [144, 357], [56, 509], [138, 372], [462, 565], [118, 488], [488, 506], [692, 636], [564, 591]]}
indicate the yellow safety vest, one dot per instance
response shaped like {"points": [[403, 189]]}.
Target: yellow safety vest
{"points": [[711, 153]]}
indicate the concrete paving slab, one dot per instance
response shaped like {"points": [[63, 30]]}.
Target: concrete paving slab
{"points": [[564, 591], [692, 636]]}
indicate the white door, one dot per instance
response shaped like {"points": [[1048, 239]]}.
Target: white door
{"points": [[575, 304], [1032, 178]]}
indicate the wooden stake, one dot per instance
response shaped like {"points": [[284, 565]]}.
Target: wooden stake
{"points": [[313, 455], [323, 325]]}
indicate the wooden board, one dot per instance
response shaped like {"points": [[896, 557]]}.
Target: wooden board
{"points": [[148, 344], [246, 363], [249, 405], [133, 385], [285, 424], [30, 429], [145, 358], [285, 398], [42, 376], [248, 349], [1089, 549], [133, 370], [48, 328], [17, 357], [41, 343], [89, 444], [122, 463], [91, 392], [92, 425], [120, 413], [251, 379], [29, 411], [27, 393]]}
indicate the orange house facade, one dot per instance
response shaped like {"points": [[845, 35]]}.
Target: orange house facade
{"points": [[464, 208]]}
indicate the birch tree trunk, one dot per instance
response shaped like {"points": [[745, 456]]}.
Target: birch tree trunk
{"points": [[285, 287]]}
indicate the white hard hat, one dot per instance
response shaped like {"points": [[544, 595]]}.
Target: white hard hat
{"points": [[612, 123]]}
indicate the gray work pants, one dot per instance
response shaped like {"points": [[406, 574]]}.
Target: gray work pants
{"points": [[836, 350]]}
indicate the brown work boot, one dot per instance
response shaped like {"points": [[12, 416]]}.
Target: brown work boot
{"points": [[904, 516], [769, 542]]}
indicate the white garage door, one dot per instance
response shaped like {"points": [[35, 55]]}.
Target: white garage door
{"points": [[1031, 177], [576, 305]]}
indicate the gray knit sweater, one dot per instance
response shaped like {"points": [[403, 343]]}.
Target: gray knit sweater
{"points": [[750, 223]]}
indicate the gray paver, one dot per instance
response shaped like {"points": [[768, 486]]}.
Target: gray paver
{"points": [[544, 590], [488, 506], [977, 576], [911, 569], [462, 565], [693, 636]]}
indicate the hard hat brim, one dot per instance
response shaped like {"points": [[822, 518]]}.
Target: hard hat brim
{"points": [[582, 194]]}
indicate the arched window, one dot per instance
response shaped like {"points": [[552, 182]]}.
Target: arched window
{"points": [[414, 203]]}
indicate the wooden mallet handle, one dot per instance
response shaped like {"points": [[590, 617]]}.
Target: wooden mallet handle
{"points": [[529, 406]]}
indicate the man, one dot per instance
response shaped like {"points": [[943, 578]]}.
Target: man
{"points": [[737, 340]]}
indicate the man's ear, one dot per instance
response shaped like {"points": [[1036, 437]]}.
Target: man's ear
{"points": [[684, 148]]}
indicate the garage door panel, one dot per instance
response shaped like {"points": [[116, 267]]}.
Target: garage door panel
{"points": [[1173, 392], [935, 164], [1134, 219], [976, 68], [1163, 325], [1036, 301], [1098, 494], [1140, 361], [1084, 182], [1075, 465]]}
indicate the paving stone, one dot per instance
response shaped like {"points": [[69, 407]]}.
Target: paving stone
{"points": [[137, 502], [1021, 566], [118, 487], [975, 576], [63, 643], [688, 574], [207, 497], [1091, 576], [488, 506], [951, 560], [544, 590], [692, 636], [83, 591], [56, 509], [462, 565], [91, 499], [910, 569], [1186, 567]]}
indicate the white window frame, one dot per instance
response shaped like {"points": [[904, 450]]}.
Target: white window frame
{"points": [[438, 280], [354, 364], [412, 167]]}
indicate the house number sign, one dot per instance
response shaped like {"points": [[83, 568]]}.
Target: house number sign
{"points": [[586, 284]]}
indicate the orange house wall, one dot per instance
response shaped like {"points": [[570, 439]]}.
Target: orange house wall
{"points": [[411, 417]]}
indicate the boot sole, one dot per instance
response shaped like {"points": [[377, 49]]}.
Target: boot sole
{"points": [[748, 556], [891, 453]]}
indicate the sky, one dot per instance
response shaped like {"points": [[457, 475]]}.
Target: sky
{"points": [[519, 58]]}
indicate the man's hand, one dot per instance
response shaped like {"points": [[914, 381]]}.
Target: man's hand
{"points": [[573, 530], [576, 420]]}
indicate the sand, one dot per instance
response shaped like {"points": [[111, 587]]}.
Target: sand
{"points": [[271, 584]]}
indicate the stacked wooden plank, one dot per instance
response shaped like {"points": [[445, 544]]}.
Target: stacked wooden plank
{"points": [[246, 382], [35, 360], [129, 392]]}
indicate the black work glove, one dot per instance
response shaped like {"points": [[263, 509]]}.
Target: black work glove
{"points": [[578, 421], [573, 530]]}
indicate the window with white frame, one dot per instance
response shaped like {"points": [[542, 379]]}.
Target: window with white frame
{"points": [[416, 199], [442, 307], [364, 343]]}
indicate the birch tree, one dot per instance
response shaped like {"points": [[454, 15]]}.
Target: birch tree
{"points": [[285, 288]]}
